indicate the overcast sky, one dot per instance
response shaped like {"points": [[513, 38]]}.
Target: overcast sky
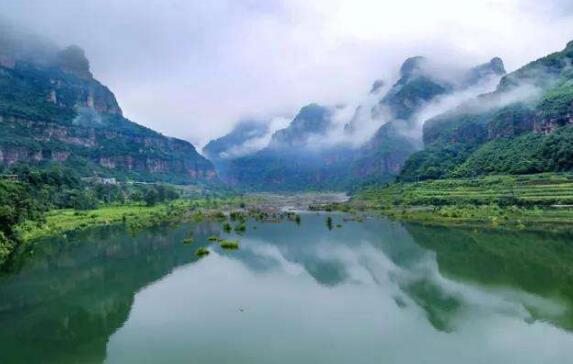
{"points": [[192, 68]]}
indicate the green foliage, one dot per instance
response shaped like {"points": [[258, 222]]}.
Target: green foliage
{"points": [[241, 228], [481, 138], [435, 162], [329, 222], [230, 244], [557, 103], [557, 150], [16, 205], [511, 121], [201, 252], [40, 190], [526, 191], [526, 154], [522, 155], [6, 247]]}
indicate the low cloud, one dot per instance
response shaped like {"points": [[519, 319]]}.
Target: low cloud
{"points": [[256, 143], [192, 68]]}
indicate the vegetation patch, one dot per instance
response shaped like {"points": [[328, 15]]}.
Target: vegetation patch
{"points": [[201, 252], [230, 244], [517, 201]]}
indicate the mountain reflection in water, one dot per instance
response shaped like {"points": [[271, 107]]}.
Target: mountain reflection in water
{"points": [[371, 291]]}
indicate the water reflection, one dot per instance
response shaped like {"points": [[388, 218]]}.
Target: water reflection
{"points": [[361, 293]]}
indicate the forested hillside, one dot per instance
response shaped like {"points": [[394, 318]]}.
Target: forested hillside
{"points": [[523, 127]]}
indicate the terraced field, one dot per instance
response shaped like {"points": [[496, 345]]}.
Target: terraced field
{"points": [[529, 190]]}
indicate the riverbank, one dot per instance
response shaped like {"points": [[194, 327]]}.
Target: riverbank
{"points": [[135, 216], [529, 201]]}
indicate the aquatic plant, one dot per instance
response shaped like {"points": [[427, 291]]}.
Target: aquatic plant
{"points": [[237, 215], [201, 252], [188, 241], [230, 244], [227, 227], [241, 228], [213, 238], [329, 222]]}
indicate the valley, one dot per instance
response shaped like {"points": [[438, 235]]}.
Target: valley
{"points": [[326, 199]]}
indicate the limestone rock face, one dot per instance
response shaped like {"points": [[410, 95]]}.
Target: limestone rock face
{"points": [[53, 110]]}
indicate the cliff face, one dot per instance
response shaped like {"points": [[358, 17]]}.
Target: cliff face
{"points": [[532, 106], [53, 110]]}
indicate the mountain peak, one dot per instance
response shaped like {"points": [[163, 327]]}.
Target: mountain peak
{"points": [[485, 71], [497, 66], [411, 65], [312, 119], [376, 86], [73, 60]]}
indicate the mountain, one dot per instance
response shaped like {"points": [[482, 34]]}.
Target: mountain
{"points": [[317, 152], [383, 156], [311, 121], [294, 158], [421, 82], [524, 126], [52, 110], [247, 137], [237, 142]]}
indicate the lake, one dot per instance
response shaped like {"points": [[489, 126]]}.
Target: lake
{"points": [[376, 291]]}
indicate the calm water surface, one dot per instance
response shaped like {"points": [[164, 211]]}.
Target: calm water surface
{"points": [[371, 292]]}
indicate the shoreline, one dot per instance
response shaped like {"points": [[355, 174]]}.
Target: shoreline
{"points": [[60, 222]]}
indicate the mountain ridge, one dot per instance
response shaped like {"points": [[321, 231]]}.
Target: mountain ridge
{"points": [[307, 154]]}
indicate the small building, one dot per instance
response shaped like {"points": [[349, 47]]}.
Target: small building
{"points": [[108, 181], [101, 180]]}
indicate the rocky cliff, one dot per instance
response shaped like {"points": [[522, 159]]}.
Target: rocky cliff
{"points": [[524, 126], [52, 109]]}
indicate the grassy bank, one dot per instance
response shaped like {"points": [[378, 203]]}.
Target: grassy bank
{"points": [[520, 201], [527, 190], [135, 216]]}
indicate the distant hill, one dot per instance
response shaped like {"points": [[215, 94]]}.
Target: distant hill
{"points": [[52, 110], [317, 152]]}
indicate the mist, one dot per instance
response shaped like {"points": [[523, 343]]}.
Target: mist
{"points": [[192, 69]]}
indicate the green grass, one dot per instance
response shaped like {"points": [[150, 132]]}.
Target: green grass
{"points": [[528, 190], [134, 216]]}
